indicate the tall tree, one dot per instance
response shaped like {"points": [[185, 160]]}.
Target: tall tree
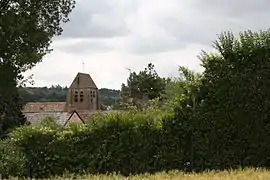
{"points": [[146, 82], [183, 88], [26, 31], [10, 104], [233, 116]]}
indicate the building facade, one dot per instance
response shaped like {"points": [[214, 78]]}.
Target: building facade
{"points": [[82, 101]]}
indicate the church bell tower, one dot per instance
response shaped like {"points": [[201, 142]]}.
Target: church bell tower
{"points": [[83, 94]]}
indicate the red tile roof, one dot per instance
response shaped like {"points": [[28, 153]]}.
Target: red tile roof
{"points": [[35, 107], [83, 80]]}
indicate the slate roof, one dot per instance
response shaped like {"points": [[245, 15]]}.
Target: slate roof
{"points": [[36, 118], [37, 107], [83, 80]]}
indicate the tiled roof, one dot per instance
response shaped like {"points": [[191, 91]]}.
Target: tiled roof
{"points": [[83, 80], [36, 107], [36, 118]]}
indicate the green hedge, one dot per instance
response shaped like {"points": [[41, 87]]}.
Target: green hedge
{"points": [[126, 143], [233, 119]]}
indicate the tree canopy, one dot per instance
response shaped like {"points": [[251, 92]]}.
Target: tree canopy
{"points": [[229, 126], [146, 82], [26, 31], [108, 97], [183, 88]]}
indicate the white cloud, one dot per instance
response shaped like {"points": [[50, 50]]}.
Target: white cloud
{"points": [[113, 35]]}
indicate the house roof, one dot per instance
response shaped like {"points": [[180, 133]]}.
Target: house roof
{"points": [[74, 114], [37, 117], [36, 107], [83, 80]]}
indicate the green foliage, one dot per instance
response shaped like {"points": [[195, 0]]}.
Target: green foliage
{"points": [[26, 32], [183, 88], [127, 142], [108, 97], [51, 122], [27, 28], [220, 121], [233, 116], [228, 124], [10, 102], [43, 94], [12, 160], [223, 114], [146, 82]]}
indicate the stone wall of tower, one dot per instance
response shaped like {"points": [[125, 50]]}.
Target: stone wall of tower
{"points": [[83, 94], [83, 99]]}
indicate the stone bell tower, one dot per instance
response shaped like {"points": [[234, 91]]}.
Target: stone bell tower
{"points": [[83, 94]]}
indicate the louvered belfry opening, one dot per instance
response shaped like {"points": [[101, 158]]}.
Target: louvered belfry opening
{"points": [[83, 93]]}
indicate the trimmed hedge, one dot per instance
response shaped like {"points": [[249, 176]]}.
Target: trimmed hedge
{"points": [[124, 143]]}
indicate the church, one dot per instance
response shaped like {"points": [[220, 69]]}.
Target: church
{"points": [[82, 102]]}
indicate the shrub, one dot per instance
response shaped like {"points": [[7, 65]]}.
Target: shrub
{"points": [[123, 142], [12, 161], [228, 125], [232, 120], [51, 122]]}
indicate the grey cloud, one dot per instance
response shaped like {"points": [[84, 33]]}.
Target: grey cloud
{"points": [[98, 19], [215, 16], [83, 46], [102, 19], [208, 18], [151, 46], [186, 32], [240, 8]]}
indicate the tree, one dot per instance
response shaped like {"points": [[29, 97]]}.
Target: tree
{"points": [[26, 31], [183, 88], [10, 103], [146, 82], [232, 119]]}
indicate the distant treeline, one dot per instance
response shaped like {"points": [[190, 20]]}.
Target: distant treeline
{"points": [[57, 93]]}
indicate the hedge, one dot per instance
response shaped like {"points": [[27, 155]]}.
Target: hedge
{"points": [[124, 143]]}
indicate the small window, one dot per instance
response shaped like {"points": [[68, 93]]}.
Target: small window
{"points": [[76, 96], [94, 94], [91, 100], [81, 96]]}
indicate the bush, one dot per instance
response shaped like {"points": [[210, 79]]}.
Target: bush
{"points": [[129, 143], [232, 120], [12, 161], [123, 142]]}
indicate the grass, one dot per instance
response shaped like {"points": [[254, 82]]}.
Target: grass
{"points": [[248, 174]]}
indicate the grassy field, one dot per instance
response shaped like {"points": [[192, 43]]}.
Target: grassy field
{"points": [[224, 175]]}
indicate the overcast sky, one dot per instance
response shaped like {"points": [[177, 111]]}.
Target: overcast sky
{"points": [[112, 35]]}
